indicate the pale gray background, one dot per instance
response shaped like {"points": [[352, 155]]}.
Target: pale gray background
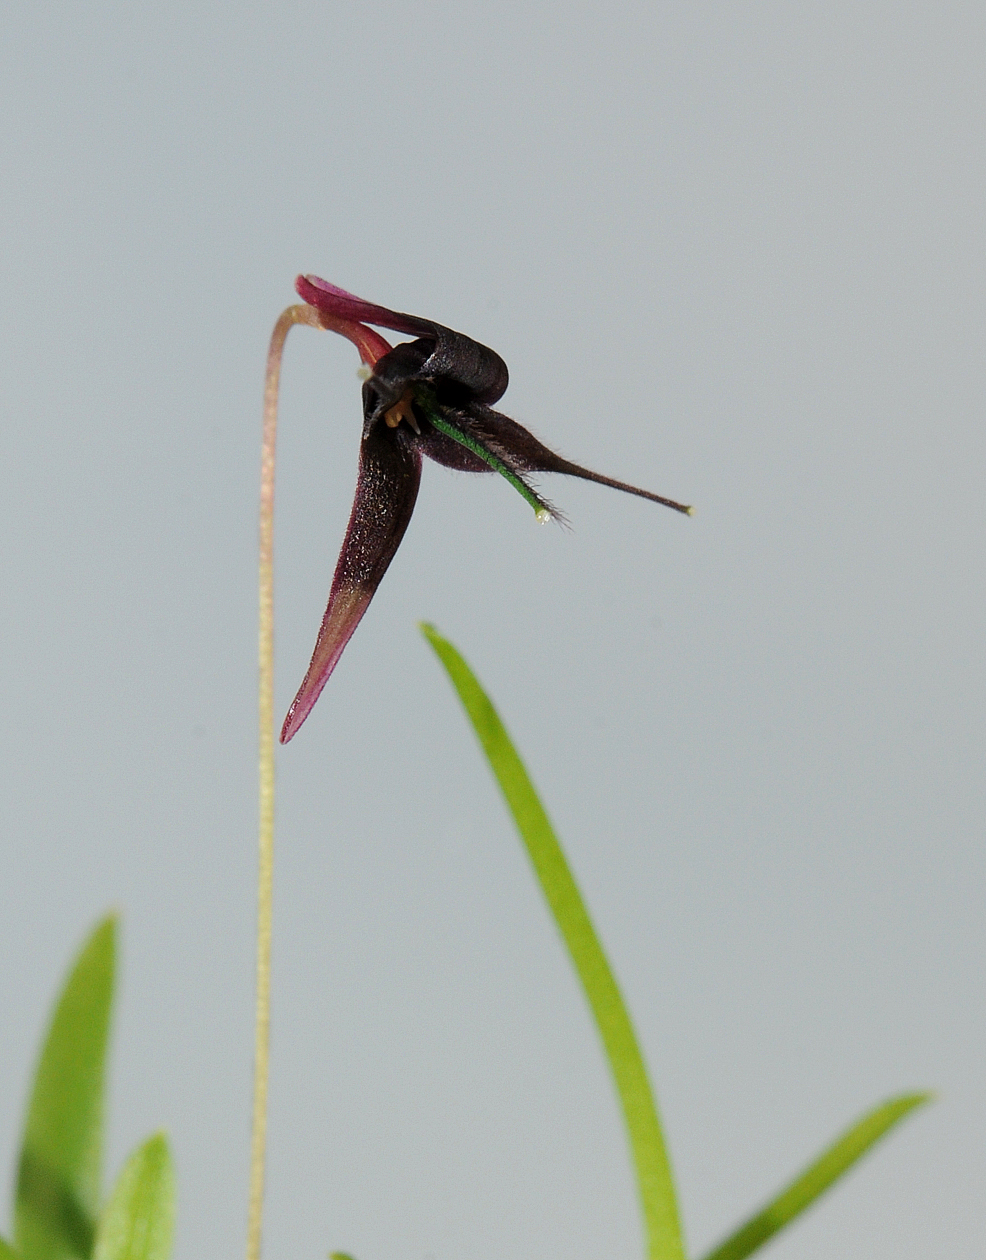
{"points": [[731, 251]]}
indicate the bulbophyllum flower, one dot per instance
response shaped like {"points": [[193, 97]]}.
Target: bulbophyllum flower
{"points": [[431, 396]]}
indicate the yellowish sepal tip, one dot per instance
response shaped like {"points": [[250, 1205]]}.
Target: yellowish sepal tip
{"points": [[542, 516], [364, 371], [689, 511]]}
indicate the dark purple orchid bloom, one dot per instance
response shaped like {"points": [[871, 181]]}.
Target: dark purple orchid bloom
{"points": [[431, 396]]}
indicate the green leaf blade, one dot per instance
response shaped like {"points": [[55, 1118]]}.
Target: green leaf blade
{"points": [[651, 1163], [139, 1220], [833, 1163], [59, 1174]]}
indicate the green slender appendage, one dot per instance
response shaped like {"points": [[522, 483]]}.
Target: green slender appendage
{"points": [[59, 1174], [541, 509], [139, 1220], [817, 1178], [654, 1180]]}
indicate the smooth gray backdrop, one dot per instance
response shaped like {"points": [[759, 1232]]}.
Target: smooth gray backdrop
{"points": [[733, 252]]}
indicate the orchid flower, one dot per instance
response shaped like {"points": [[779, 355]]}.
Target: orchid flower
{"points": [[431, 396]]}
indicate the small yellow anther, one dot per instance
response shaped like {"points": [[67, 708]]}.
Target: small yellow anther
{"points": [[403, 409]]}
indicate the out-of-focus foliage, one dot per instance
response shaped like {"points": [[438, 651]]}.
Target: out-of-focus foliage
{"points": [[139, 1220], [58, 1208], [653, 1169]]}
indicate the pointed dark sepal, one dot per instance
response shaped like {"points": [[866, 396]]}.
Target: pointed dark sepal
{"points": [[454, 359], [520, 450], [387, 486]]}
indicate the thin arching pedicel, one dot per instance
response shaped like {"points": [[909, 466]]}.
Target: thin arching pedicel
{"points": [[265, 877], [371, 346]]}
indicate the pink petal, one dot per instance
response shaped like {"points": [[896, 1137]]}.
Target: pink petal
{"points": [[331, 300]]}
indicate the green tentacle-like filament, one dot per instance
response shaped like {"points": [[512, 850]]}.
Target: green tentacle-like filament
{"points": [[541, 509]]}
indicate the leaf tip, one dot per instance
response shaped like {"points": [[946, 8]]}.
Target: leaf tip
{"points": [[907, 1102], [430, 632], [108, 926]]}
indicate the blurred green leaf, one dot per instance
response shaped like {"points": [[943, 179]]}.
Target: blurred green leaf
{"points": [[657, 1197], [139, 1220], [340, 1255], [59, 1173], [817, 1178], [6, 1251]]}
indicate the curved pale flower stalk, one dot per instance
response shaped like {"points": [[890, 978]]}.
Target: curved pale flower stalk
{"points": [[371, 346]]}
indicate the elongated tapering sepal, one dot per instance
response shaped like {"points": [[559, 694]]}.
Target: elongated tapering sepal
{"points": [[386, 489]]}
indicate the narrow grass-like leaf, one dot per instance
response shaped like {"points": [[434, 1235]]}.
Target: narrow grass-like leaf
{"points": [[59, 1174], [138, 1222], [816, 1178], [656, 1188]]}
